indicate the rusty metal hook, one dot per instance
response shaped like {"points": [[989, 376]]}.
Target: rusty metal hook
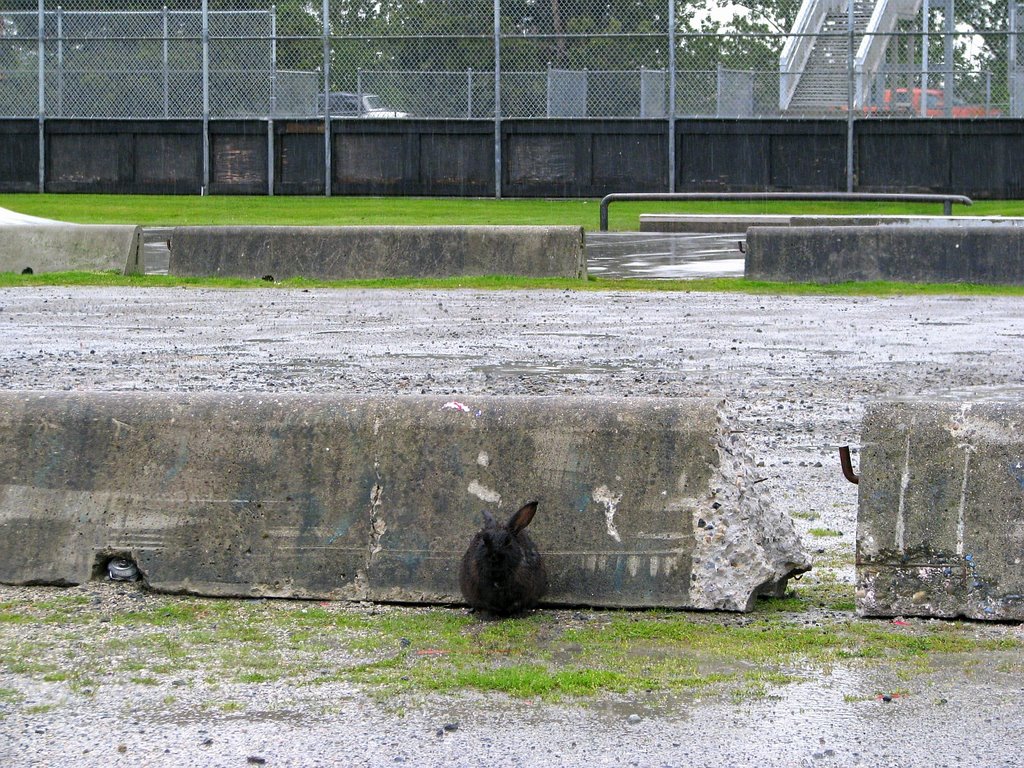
{"points": [[844, 460]]}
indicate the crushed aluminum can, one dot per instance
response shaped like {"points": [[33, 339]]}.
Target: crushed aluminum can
{"points": [[122, 569]]}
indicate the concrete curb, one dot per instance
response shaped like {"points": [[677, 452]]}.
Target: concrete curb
{"points": [[643, 502], [940, 527], [979, 253], [60, 247], [711, 223], [740, 223], [361, 253]]}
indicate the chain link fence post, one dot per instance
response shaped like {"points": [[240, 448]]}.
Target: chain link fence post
{"points": [[41, 100], [326, 21], [650, 61], [497, 99], [205, 45], [850, 126], [671, 112], [273, 100]]}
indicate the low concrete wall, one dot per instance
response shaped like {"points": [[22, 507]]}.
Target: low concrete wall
{"points": [[712, 222], [643, 502], [70, 248], [708, 222], [940, 529], [357, 253], [980, 253]]}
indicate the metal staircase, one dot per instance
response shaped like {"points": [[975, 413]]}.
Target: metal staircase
{"points": [[819, 63]]}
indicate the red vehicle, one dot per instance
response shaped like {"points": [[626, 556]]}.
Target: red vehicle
{"points": [[907, 101]]}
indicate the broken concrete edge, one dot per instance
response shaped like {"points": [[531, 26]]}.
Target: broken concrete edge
{"points": [[940, 524], [741, 547], [766, 549], [377, 252], [59, 247], [987, 254]]}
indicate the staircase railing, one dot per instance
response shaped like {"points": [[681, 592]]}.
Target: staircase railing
{"points": [[871, 52], [800, 43]]}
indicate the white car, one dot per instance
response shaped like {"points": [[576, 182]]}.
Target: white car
{"points": [[345, 104]]}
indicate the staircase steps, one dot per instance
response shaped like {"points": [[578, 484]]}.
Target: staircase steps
{"points": [[826, 76]]}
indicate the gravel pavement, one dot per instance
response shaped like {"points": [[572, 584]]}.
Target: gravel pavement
{"points": [[798, 372]]}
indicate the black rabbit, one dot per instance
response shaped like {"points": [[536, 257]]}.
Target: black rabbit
{"points": [[502, 572]]}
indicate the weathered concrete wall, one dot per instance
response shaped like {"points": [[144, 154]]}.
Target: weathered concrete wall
{"points": [[940, 529], [643, 502], [70, 247], [978, 253], [357, 253]]}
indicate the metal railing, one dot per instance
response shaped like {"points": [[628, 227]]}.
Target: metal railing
{"points": [[505, 59], [844, 197], [164, 59]]}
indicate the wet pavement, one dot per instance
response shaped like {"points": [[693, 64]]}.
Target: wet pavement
{"points": [[798, 387], [855, 715], [798, 373], [663, 256], [156, 250]]}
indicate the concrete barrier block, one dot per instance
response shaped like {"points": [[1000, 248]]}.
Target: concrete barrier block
{"points": [[360, 253], [643, 502], [71, 248], [980, 253], [940, 527]]}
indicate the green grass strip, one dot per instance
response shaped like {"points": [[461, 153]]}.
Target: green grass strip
{"points": [[175, 210], [547, 655], [505, 282]]}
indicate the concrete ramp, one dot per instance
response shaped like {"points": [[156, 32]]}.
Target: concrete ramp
{"points": [[643, 502], [57, 247], [7, 216], [940, 528], [368, 253]]}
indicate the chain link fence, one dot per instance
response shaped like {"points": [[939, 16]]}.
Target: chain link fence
{"points": [[224, 59]]}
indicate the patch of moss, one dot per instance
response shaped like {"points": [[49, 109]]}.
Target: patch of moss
{"points": [[554, 655], [823, 533], [509, 282]]}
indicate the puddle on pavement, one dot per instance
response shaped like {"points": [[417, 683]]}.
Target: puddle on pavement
{"points": [[664, 256], [525, 368], [820, 697], [992, 393], [674, 270], [571, 334], [540, 369], [431, 356]]}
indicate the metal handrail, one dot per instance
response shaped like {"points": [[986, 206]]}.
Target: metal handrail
{"points": [[797, 49], [874, 44], [846, 197]]}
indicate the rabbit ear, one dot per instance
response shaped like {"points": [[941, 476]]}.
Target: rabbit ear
{"points": [[488, 519], [522, 518]]}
